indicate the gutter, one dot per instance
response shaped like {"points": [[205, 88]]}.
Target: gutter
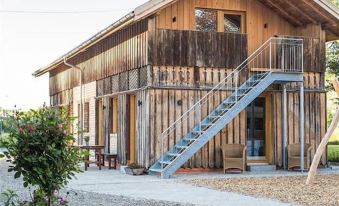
{"points": [[82, 47]]}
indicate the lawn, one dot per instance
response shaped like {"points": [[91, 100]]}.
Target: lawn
{"points": [[292, 189], [333, 153]]}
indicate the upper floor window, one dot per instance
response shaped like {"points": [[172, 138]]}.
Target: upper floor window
{"points": [[232, 23], [206, 20]]}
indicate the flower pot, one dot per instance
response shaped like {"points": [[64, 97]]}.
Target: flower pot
{"points": [[138, 171]]}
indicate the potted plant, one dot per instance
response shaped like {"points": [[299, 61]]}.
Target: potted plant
{"points": [[134, 169], [86, 138]]}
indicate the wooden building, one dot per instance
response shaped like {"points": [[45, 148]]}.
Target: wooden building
{"points": [[143, 72]]}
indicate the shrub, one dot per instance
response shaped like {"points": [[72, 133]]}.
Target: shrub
{"points": [[333, 143], [135, 166], [39, 150]]}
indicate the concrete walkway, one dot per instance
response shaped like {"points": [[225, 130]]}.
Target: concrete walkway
{"points": [[152, 187]]}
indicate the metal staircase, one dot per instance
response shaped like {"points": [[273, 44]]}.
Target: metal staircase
{"points": [[277, 60]]}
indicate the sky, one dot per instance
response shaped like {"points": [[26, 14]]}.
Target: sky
{"points": [[29, 41]]}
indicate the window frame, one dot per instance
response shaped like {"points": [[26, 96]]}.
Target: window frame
{"points": [[216, 18], [220, 19], [238, 13]]}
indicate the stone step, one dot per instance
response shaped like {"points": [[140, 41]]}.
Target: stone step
{"points": [[260, 167]]}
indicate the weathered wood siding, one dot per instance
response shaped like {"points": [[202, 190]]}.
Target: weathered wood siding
{"points": [[315, 114], [143, 128], [121, 51], [193, 48], [164, 109], [257, 15], [122, 129]]}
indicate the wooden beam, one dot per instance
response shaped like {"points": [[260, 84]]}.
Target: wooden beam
{"points": [[290, 4], [282, 12], [266, 70]]}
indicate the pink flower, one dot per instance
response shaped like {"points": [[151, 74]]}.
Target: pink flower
{"points": [[21, 130]]}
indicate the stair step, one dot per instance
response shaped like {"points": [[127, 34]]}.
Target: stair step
{"points": [[197, 132], [165, 162], [189, 139], [214, 116], [181, 146], [173, 154], [264, 167], [155, 170]]}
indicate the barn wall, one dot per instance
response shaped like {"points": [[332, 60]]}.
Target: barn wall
{"points": [[121, 51], [261, 24], [164, 109], [256, 16]]}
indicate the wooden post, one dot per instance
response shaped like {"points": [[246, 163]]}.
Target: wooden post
{"points": [[321, 148], [301, 126], [284, 122]]}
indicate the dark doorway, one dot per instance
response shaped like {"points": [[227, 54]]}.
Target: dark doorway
{"points": [[256, 143]]}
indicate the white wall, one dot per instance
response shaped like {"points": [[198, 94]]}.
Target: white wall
{"points": [[89, 92]]}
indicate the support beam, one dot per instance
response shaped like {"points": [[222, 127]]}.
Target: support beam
{"points": [[301, 127], [303, 13], [284, 131], [283, 13]]}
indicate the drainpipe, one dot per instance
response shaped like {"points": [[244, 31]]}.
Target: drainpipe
{"points": [[81, 101]]}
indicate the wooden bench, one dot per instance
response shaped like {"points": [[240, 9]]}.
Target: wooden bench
{"points": [[109, 158]]}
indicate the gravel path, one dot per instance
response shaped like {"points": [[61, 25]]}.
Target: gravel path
{"points": [[82, 198], [291, 189]]}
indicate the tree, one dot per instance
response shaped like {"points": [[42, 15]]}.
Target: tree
{"points": [[321, 148], [39, 150]]}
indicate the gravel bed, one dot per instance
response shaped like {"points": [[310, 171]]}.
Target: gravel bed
{"points": [[75, 198], [290, 189]]}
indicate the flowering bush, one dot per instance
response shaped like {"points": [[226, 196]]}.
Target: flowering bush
{"points": [[40, 151]]}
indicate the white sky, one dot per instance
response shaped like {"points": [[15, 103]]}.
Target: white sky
{"points": [[30, 41]]}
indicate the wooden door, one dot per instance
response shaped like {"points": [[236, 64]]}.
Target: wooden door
{"points": [[100, 140], [131, 132]]}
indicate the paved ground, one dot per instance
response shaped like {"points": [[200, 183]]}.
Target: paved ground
{"points": [[151, 187], [76, 197], [110, 187]]}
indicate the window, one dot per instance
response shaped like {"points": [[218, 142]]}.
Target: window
{"points": [[206, 20], [232, 23], [86, 116]]}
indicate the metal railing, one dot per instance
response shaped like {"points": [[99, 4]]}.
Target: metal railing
{"points": [[275, 55]]}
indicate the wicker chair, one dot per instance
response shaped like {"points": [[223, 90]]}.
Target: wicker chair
{"points": [[234, 156], [294, 155]]}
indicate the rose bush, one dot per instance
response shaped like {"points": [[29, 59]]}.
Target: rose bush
{"points": [[39, 148]]}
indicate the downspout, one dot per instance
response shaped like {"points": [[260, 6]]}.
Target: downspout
{"points": [[81, 101]]}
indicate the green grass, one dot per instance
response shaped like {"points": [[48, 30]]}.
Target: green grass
{"points": [[333, 153]]}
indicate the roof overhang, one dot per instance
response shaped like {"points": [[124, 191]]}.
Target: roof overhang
{"points": [[323, 7]]}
